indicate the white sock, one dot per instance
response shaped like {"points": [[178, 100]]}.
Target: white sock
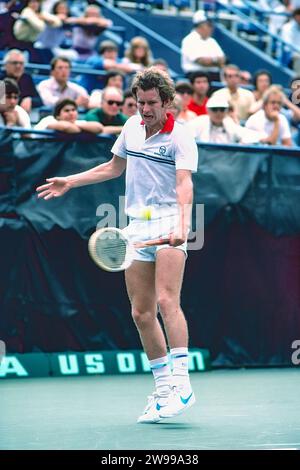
{"points": [[161, 371], [180, 360]]}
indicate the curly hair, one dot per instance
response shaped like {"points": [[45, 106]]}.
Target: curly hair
{"points": [[154, 77]]}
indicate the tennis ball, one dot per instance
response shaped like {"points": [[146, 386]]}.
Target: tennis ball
{"points": [[146, 213]]}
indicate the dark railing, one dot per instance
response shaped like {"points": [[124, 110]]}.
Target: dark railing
{"points": [[254, 148]]}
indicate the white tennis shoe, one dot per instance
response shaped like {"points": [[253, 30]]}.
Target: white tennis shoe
{"points": [[151, 413], [180, 399]]}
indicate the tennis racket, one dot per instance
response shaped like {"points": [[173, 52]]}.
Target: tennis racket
{"points": [[112, 251]]}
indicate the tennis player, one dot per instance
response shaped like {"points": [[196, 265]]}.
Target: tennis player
{"points": [[159, 156]]}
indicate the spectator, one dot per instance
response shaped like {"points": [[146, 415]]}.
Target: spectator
{"points": [[245, 78], [201, 85], [217, 127], [175, 108], [295, 92], [262, 81], [113, 78], [241, 99], [65, 119], [185, 90], [291, 34], [129, 107], [11, 114], [10, 10], [270, 120], [281, 10], [199, 51], [87, 30], [139, 53], [109, 114], [291, 111], [161, 64], [106, 60], [58, 85], [14, 64], [53, 38], [32, 22]]}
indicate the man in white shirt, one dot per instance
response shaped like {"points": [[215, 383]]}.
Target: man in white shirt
{"points": [[199, 51], [159, 156], [291, 34], [270, 120], [58, 86], [11, 114], [219, 128], [239, 98]]}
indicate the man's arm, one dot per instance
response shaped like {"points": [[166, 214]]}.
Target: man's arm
{"points": [[273, 137], [112, 129], [26, 103], [64, 126], [184, 191], [90, 126], [58, 186], [287, 142]]}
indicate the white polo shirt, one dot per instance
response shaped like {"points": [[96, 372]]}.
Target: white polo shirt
{"points": [[260, 122], [194, 47], [152, 164]]}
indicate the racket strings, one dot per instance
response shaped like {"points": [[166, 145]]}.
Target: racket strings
{"points": [[111, 251]]}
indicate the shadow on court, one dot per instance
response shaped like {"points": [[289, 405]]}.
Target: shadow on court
{"points": [[235, 409]]}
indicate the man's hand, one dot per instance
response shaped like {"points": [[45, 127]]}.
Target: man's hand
{"points": [[54, 188], [273, 116], [206, 61], [82, 101], [178, 237]]}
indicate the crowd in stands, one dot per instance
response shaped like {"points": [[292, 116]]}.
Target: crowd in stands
{"points": [[244, 109]]}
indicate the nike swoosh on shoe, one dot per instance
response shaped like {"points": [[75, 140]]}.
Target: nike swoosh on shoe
{"points": [[186, 400], [158, 406]]}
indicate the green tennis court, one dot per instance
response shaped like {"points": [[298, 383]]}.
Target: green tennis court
{"points": [[235, 409]]}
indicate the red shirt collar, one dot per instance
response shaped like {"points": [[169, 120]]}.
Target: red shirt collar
{"points": [[168, 126]]}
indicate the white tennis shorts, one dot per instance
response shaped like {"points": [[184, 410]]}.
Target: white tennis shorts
{"points": [[141, 230]]}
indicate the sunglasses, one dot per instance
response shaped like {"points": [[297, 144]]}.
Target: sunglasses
{"points": [[111, 102], [15, 62], [215, 110]]}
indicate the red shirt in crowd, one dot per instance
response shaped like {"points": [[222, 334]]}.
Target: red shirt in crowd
{"points": [[198, 108]]}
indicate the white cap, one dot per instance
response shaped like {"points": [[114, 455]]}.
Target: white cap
{"points": [[199, 17], [216, 102]]}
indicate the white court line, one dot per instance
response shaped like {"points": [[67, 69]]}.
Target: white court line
{"points": [[276, 444]]}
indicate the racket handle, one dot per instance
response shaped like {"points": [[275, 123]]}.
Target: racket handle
{"points": [[155, 242]]}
